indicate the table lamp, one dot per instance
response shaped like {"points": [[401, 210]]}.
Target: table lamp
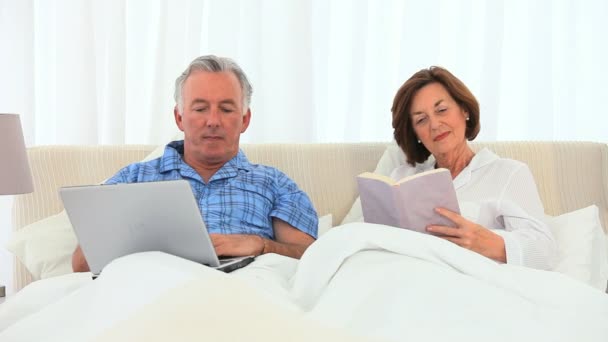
{"points": [[15, 173]]}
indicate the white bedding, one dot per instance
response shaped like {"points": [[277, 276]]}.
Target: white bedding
{"points": [[361, 279]]}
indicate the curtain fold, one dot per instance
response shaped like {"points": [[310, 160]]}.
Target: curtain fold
{"points": [[90, 72]]}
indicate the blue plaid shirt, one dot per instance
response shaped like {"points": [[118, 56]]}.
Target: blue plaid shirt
{"points": [[240, 198]]}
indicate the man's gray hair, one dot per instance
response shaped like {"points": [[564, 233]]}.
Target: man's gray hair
{"points": [[211, 63]]}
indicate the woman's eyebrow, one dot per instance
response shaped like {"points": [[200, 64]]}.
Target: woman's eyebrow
{"points": [[421, 112]]}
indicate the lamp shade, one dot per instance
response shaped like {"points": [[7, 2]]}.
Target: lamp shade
{"points": [[15, 174]]}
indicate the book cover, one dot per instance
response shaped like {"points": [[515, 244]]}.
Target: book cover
{"points": [[409, 202]]}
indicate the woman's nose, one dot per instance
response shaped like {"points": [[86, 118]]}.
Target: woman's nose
{"points": [[434, 122]]}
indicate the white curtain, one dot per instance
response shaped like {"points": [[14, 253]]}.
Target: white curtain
{"points": [[102, 72]]}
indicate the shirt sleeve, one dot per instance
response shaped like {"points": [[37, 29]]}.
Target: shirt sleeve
{"points": [[293, 206], [528, 239]]}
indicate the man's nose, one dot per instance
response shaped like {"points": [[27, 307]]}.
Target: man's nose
{"points": [[213, 119]]}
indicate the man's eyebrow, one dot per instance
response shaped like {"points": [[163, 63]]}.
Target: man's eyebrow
{"points": [[195, 101], [203, 101], [228, 101]]}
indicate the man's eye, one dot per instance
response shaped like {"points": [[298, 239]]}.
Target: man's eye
{"points": [[227, 110], [200, 109]]}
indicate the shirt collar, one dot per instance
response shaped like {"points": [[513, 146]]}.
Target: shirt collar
{"points": [[172, 159], [232, 167], [482, 158]]}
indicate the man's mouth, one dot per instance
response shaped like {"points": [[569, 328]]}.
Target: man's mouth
{"points": [[441, 136]]}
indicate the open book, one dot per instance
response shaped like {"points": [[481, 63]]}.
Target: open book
{"points": [[410, 202]]}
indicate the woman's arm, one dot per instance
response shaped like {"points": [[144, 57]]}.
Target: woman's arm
{"points": [[525, 240], [528, 239]]}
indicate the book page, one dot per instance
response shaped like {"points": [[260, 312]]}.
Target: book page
{"points": [[379, 177], [422, 174], [409, 203], [419, 196]]}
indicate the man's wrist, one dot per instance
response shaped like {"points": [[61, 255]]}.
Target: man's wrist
{"points": [[263, 250]]}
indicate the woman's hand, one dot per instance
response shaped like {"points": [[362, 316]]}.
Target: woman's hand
{"points": [[470, 235]]}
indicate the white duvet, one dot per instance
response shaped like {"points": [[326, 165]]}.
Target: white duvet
{"points": [[362, 280]]}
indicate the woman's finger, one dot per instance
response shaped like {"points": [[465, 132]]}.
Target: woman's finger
{"points": [[444, 230], [452, 216]]}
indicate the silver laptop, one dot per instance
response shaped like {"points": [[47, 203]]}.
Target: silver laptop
{"points": [[111, 221]]}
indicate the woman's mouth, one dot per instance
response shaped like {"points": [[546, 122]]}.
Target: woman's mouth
{"points": [[441, 136]]}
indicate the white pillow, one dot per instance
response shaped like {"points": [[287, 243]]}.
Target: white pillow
{"points": [[582, 245], [325, 223], [45, 247], [392, 157], [160, 150]]}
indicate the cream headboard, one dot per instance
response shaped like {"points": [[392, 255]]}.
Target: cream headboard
{"points": [[570, 175]]}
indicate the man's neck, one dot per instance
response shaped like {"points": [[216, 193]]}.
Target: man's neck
{"points": [[205, 169]]}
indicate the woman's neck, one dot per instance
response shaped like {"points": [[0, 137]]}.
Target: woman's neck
{"points": [[455, 161]]}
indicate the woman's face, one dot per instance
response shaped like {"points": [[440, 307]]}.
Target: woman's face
{"points": [[438, 121]]}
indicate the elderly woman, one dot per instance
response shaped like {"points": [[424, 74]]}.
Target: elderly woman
{"points": [[434, 114]]}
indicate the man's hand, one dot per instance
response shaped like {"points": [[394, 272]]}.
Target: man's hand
{"points": [[290, 242], [237, 244], [470, 235], [79, 262]]}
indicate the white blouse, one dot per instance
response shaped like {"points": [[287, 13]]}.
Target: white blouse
{"points": [[500, 194]]}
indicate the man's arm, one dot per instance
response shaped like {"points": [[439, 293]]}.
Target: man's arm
{"points": [[79, 262], [290, 242]]}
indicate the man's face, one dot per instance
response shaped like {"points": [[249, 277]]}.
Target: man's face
{"points": [[212, 118]]}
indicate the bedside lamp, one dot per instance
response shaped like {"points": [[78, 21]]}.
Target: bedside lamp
{"points": [[15, 173]]}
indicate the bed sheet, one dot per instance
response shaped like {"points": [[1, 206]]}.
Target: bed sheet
{"points": [[365, 280]]}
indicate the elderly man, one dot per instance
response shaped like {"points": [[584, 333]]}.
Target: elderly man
{"points": [[249, 209]]}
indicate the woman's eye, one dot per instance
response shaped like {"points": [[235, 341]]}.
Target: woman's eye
{"points": [[420, 120], [441, 110]]}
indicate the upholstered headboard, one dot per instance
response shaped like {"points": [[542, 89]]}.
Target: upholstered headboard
{"points": [[570, 175]]}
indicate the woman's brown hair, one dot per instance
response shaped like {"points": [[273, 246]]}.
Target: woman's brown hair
{"points": [[402, 120]]}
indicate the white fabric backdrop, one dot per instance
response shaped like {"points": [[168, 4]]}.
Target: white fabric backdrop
{"points": [[102, 72]]}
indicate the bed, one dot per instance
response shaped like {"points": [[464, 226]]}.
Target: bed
{"points": [[357, 282]]}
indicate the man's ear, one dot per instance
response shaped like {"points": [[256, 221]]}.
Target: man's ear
{"points": [[178, 118], [246, 120]]}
